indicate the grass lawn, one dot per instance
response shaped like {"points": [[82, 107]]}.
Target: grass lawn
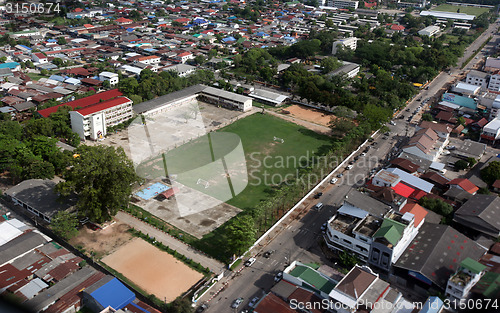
{"points": [[35, 76], [268, 162], [257, 134], [463, 9]]}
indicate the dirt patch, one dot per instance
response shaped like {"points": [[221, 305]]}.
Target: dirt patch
{"points": [[153, 270], [310, 114], [102, 242]]}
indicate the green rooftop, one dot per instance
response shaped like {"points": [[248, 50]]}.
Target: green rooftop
{"points": [[391, 230], [473, 266], [489, 285], [313, 278]]}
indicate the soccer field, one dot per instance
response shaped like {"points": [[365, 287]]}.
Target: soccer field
{"points": [[268, 160], [463, 9]]}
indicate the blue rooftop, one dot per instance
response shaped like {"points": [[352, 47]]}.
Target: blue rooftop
{"points": [[460, 100], [11, 65], [25, 47], [113, 294]]}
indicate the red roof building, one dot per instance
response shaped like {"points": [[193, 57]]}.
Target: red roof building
{"points": [[403, 190], [93, 119], [98, 97], [396, 27], [464, 184]]}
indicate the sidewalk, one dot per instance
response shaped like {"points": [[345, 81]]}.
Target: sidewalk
{"points": [[173, 243]]}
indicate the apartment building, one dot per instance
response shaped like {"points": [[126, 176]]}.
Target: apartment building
{"points": [[350, 43]]}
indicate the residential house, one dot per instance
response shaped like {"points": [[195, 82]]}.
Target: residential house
{"points": [[442, 130], [182, 70], [183, 57], [463, 184], [302, 275], [109, 76], [39, 58], [361, 290], [426, 144]]}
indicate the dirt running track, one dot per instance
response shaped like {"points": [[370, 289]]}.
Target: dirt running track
{"points": [[153, 270]]}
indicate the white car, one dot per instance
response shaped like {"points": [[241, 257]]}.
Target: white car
{"points": [[250, 261], [334, 180], [349, 167]]}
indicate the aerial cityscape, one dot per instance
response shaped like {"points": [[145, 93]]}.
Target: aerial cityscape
{"points": [[261, 156]]}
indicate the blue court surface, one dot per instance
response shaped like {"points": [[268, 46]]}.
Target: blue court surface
{"points": [[152, 191]]}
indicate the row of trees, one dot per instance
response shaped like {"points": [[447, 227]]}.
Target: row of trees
{"points": [[151, 85]]}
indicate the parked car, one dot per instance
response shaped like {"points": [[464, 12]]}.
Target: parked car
{"points": [[323, 227], [318, 206], [392, 123], [349, 167], [250, 261], [253, 302], [340, 175], [267, 254], [334, 180], [278, 277], [201, 308], [236, 303], [450, 147], [351, 162], [318, 195]]}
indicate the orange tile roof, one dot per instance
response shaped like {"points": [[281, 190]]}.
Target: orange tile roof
{"points": [[418, 211]]}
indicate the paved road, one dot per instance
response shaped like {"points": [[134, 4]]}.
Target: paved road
{"points": [[298, 239], [214, 265]]}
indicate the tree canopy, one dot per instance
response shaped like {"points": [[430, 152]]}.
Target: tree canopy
{"points": [[491, 172], [65, 224], [102, 177], [241, 233]]}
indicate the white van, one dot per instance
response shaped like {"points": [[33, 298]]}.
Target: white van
{"points": [[318, 206]]}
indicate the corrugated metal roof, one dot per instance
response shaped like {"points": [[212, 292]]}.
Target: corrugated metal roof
{"points": [[32, 288]]}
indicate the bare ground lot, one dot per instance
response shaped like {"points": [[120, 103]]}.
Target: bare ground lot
{"points": [[311, 115], [102, 242], [153, 270]]}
